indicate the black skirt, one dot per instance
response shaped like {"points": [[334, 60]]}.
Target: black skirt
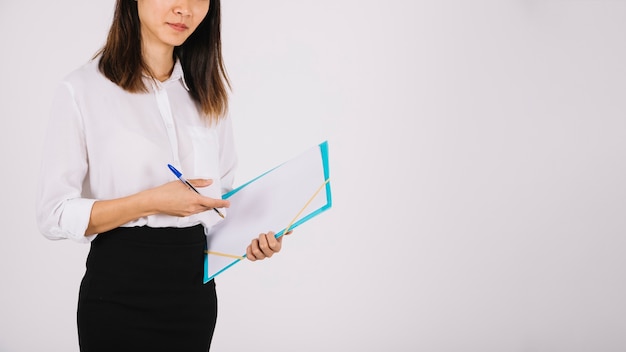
{"points": [[143, 291]]}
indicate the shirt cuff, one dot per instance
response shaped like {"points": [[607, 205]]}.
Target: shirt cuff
{"points": [[75, 219]]}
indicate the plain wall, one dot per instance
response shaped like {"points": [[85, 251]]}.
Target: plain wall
{"points": [[477, 154]]}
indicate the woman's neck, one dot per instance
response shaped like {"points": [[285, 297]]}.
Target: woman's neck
{"points": [[160, 62]]}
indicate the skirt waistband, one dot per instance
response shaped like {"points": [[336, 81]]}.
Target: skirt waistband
{"points": [[146, 255], [155, 235]]}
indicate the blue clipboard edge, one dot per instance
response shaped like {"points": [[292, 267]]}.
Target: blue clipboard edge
{"points": [[329, 203]]}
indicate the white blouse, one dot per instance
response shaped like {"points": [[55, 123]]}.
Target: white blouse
{"points": [[104, 143]]}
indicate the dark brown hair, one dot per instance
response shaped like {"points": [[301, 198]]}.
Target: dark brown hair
{"points": [[200, 56]]}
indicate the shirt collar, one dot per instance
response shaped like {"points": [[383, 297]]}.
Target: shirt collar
{"points": [[177, 73]]}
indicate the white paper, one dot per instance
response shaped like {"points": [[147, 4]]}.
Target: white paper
{"points": [[268, 203]]}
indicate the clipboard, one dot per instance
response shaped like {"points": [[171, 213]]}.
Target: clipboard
{"points": [[279, 200]]}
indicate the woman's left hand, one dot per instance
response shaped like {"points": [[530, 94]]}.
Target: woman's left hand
{"points": [[264, 246]]}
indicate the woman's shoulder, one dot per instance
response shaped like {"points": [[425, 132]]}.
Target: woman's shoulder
{"points": [[86, 76]]}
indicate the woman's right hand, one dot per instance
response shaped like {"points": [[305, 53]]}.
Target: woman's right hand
{"points": [[176, 199], [172, 198]]}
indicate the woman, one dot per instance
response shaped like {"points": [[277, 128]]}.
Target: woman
{"points": [[156, 94]]}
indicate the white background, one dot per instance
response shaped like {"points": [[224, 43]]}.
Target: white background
{"points": [[477, 160]]}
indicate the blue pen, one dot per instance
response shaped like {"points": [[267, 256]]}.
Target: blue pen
{"points": [[182, 179]]}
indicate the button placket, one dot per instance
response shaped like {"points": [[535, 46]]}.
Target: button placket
{"points": [[165, 109]]}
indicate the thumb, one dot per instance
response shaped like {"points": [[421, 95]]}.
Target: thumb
{"points": [[201, 182]]}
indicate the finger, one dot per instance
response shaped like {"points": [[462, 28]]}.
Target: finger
{"points": [[264, 245], [215, 203], [255, 249], [273, 243], [201, 182], [249, 254]]}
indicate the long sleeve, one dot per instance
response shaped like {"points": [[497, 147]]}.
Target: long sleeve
{"points": [[62, 212]]}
